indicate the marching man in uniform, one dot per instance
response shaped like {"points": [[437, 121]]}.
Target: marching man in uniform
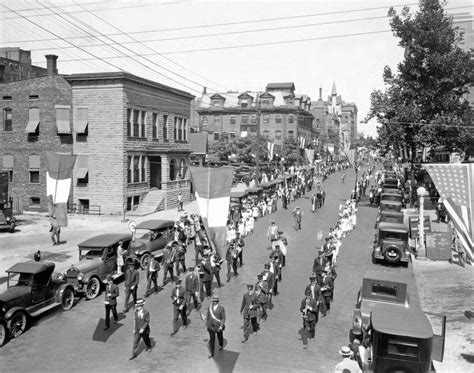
{"points": [[309, 309], [249, 309], [141, 329], [215, 323], [179, 306]]}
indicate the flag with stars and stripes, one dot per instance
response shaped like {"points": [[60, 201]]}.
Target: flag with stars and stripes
{"points": [[455, 185]]}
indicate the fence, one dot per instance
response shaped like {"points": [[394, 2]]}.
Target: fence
{"points": [[75, 208]]}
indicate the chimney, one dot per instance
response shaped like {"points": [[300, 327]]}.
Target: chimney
{"points": [[204, 90], [51, 64], [320, 94]]}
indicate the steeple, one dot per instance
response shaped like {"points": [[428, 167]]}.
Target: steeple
{"points": [[333, 91]]}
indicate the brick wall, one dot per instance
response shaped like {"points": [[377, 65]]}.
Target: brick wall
{"points": [[51, 90]]}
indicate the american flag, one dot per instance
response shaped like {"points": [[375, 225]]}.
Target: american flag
{"points": [[455, 185]]}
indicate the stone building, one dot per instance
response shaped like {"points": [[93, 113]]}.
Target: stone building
{"points": [[278, 111], [37, 117], [130, 135], [15, 64]]}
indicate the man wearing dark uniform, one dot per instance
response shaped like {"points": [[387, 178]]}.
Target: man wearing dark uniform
{"points": [[132, 278], [269, 278], [261, 289], [111, 294], [191, 287], [309, 309], [215, 323], [152, 275], [179, 306], [249, 310], [141, 328]]}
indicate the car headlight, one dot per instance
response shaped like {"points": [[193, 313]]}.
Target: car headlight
{"points": [[7, 219], [137, 252], [60, 276], [80, 277]]}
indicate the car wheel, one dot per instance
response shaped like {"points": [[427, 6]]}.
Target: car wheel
{"points": [[93, 288], [374, 259], [12, 227], [17, 324], [3, 333], [67, 299], [392, 254], [144, 260]]}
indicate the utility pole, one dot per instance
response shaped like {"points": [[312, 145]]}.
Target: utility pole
{"points": [[257, 155]]}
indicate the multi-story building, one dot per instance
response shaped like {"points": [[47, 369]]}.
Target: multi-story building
{"points": [[130, 136], [278, 112], [36, 118], [15, 64]]}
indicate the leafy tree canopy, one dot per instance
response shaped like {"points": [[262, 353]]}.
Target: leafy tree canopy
{"points": [[425, 103]]}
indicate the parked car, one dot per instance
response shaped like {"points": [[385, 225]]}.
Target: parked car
{"points": [[390, 175], [389, 216], [391, 244], [390, 205], [31, 290], [402, 340], [395, 197], [378, 287], [7, 220], [390, 183], [153, 237], [97, 259]]}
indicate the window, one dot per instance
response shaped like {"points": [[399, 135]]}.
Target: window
{"points": [[143, 168], [63, 126], [290, 134], [245, 119], [266, 118], [143, 123], [136, 200], [136, 169], [277, 135], [136, 124], [34, 167], [182, 168], [6, 98], [154, 132], [33, 121], [180, 129], [175, 130], [35, 201], [278, 118], [83, 121], [7, 119], [8, 166], [253, 129], [290, 118], [185, 129], [165, 127], [216, 103], [204, 120], [129, 169], [173, 169], [232, 119], [406, 349], [129, 122], [266, 134], [232, 135], [244, 103], [217, 119], [82, 170], [34, 97], [253, 119], [216, 136], [265, 102]]}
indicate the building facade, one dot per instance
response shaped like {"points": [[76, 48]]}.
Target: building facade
{"points": [[15, 64], [130, 136], [278, 112], [37, 116]]}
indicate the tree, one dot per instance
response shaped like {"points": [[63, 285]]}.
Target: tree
{"points": [[425, 103], [290, 151], [244, 148]]}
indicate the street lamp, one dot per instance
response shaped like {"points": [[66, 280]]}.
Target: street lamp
{"points": [[421, 249]]}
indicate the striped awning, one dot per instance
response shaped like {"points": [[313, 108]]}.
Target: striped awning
{"points": [[32, 126], [63, 127], [81, 126], [82, 172]]}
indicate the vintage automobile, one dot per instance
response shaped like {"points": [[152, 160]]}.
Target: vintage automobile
{"points": [[396, 197], [391, 244], [390, 205], [97, 259], [31, 290], [389, 216], [153, 235], [390, 183], [403, 340], [378, 287], [390, 175]]}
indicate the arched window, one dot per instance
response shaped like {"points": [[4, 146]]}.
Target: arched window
{"points": [[173, 169], [182, 168]]}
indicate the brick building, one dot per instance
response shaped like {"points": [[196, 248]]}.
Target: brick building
{"points": [[282, 113], [15, 64], [36, 116], [130, 135]]}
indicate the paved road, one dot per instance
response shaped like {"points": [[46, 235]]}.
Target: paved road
{"points": [[75, 341]]}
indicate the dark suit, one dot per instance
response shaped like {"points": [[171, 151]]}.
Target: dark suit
{"points": [[168, 260], [111, 294], [262, 290], [207, 276], [309, 308], [152, 276], [317, 296], [270, 279], [132, 277], [141, 330], [191, 287], [318, 267], [215, 325], [179, 307], [327, 290], [249, 309]]}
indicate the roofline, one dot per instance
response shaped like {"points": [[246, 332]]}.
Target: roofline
{"points": [[114, 75]]}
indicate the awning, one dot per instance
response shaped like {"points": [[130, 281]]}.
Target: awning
{"points": [[81, 173], [81, 126], [32, 126], [63, 127]]}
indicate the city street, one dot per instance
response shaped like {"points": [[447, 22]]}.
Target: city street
{"points": [[75, 340]]}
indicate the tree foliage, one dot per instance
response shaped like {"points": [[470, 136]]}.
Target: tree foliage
{"points": [[425, 103], [241, 149]]}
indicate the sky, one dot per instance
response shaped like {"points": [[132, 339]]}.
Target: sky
{"points": [[222, 45]]}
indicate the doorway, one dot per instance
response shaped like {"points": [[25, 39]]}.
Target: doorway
{"points": [[155, 172]]}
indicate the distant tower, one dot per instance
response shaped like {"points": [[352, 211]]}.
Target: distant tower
{"points": [[333, 97]]}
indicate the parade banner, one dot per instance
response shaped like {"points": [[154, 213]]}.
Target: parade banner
{"points": [[310, 155], [212, 186], [59, 168], [454, 183], [270, 147]]}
